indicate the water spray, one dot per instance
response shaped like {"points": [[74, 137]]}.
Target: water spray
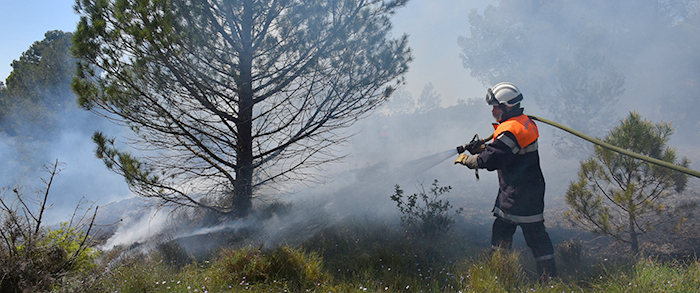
{"points": [[427, 162]]}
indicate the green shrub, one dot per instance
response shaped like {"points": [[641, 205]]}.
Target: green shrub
{"points": [[573, 263], [46, 259], [287, 265], [570, 251], [80, 258], [423, 213], [247, 263], [301, 270], [32, 257]]}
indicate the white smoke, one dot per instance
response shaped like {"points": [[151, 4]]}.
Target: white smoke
{"points": [[140, 228]]}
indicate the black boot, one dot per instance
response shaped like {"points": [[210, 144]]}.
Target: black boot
{"points": [[547, 269]]}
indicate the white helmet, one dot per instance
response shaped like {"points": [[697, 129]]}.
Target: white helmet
{"points": [[504, 93]]}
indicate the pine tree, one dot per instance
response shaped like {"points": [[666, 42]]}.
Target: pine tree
{"points": [[623, 197], [231, 96]]}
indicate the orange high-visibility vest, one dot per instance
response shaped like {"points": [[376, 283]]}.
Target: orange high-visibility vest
{"points": [[522, 127]]}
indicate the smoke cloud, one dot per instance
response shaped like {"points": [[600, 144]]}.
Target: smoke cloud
{"points": [[408, 146], [69, 142]]}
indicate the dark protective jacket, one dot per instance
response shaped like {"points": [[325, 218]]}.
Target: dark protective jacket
{"points": [[514, 154]]}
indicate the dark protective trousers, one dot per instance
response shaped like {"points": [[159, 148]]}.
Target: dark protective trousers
{"points": [[536, 238]]}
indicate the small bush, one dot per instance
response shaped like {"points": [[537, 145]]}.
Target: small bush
{"points": [[77, 256], [571, 261], [247, 263], [284, 265], [570, 251], [423, 213], [301, 270], [46, 259], [33, 258]]}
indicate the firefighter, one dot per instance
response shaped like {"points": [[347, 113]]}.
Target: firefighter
{"points": [[513, 152]]}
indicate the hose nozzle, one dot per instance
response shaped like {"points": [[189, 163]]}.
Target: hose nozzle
{"points": [[460, 149], [473, 147]]}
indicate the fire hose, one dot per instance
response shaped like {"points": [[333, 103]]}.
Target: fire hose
{"points": [[476, 143], [618, 149]]}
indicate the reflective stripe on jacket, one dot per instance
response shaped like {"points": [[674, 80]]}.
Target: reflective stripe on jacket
{"points": [[514, 154]]}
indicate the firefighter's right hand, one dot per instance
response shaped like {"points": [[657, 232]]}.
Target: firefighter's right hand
{"points": [[462, 159], [476, 146]]}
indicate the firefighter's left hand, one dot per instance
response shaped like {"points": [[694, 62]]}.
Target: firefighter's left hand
{"points": [[467, 160], [462, 159]]}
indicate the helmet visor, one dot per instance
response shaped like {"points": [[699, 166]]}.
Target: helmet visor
{"points": [[491, 98]]}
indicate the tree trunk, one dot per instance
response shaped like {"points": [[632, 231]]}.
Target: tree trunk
{"points": [[243, 185], [634, 242], [243, 190]]}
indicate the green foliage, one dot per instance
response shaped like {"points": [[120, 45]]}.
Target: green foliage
{"points": [[137, 174], [649, 275], [424, 213], [39, 85], [245, 264], [44, 70], [293, 265], [570, 252], [79, 257], [32, 257], [144, 273], [623, 197], [498, 272], [289, 267], [35, 102]]}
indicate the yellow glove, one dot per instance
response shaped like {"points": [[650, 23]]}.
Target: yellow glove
{"points": [[462, 159], [467, 160]]}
